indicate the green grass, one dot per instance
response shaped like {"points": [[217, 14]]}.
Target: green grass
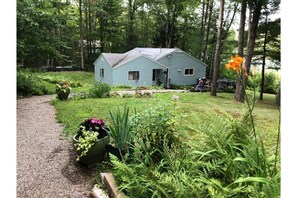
{"points": [[191, 106], [84, 78]]}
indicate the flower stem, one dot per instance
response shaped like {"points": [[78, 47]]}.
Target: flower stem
{"points": [[250, 110], [277, 145]]}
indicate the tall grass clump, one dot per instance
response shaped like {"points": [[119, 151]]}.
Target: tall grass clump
{"points": [[99, 90], [121, 131]]}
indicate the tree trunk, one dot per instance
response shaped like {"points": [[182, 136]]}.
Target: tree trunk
{"points": [[264, 58], [239, 92], [202, 31], [207, 31], [131, 20], [170, 19], [256, 12], [278, 97], [81, 36], [214, 84]]}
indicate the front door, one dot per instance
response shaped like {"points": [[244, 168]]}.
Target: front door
{"points": [[157, 77]]}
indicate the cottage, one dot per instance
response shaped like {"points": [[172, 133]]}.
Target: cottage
{"points": [[148, 67]]}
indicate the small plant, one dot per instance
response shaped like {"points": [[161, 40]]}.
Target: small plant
{"points": [[90, 131], [93, 124], [121, 130], [99, 90], [63, 90], [155, 128], [86, 141]]}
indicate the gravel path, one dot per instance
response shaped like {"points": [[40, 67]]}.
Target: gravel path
{"points": [[46, 164]]}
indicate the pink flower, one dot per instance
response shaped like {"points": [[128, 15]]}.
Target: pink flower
{"points": [[100, 122]]}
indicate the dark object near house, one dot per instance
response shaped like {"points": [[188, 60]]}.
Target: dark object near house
{"points": [[202, 85], [226, 85]]}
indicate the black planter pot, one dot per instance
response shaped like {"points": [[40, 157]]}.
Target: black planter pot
{"points": [[63, 95], [95, 154]]}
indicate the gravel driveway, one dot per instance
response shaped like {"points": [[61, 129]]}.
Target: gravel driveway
{"points": [[46, 164]]}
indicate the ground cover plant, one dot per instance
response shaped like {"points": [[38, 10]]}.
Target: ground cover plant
{"points": [[79, 81], [29, 83]]}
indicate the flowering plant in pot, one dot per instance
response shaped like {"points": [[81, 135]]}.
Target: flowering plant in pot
{"points": [[63, 90], [90, 140]]}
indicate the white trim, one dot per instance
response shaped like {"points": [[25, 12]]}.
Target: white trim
{"points": [[189, 74], [133, 75], [135, 58]]}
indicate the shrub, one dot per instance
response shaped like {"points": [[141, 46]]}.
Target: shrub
{"points": [[271, 82], [28, 83], [99, 90]]}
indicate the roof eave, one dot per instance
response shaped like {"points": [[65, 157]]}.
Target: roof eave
{"points": [[122, 64]]}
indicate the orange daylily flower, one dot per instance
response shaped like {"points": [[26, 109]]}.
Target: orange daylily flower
{"points": [[235, 63]]}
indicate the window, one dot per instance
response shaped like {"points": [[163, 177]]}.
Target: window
{"points": [[189, 72], [133, 75], [102, 72]]}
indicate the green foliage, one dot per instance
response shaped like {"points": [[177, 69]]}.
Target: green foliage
{"points": [[45, 32], [121, 129], [185, 168], [79, 81], [271, 82], [63, 90], [227, 162], [85, 142], [28, 83], [122, 87], [99, 90], [155, 128]]}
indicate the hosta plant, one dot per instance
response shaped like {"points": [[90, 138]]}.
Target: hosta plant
{"points": [[63, 90]]}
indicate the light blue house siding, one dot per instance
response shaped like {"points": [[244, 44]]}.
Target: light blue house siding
{"points": [[148, 66], [183, 68], [144, 66], [101, 64]]}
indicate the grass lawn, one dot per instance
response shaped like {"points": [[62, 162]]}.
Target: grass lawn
{"points": [[84, 78], [191, 106]]}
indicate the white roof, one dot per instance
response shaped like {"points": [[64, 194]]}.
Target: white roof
{"points": [[153, 53]]}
